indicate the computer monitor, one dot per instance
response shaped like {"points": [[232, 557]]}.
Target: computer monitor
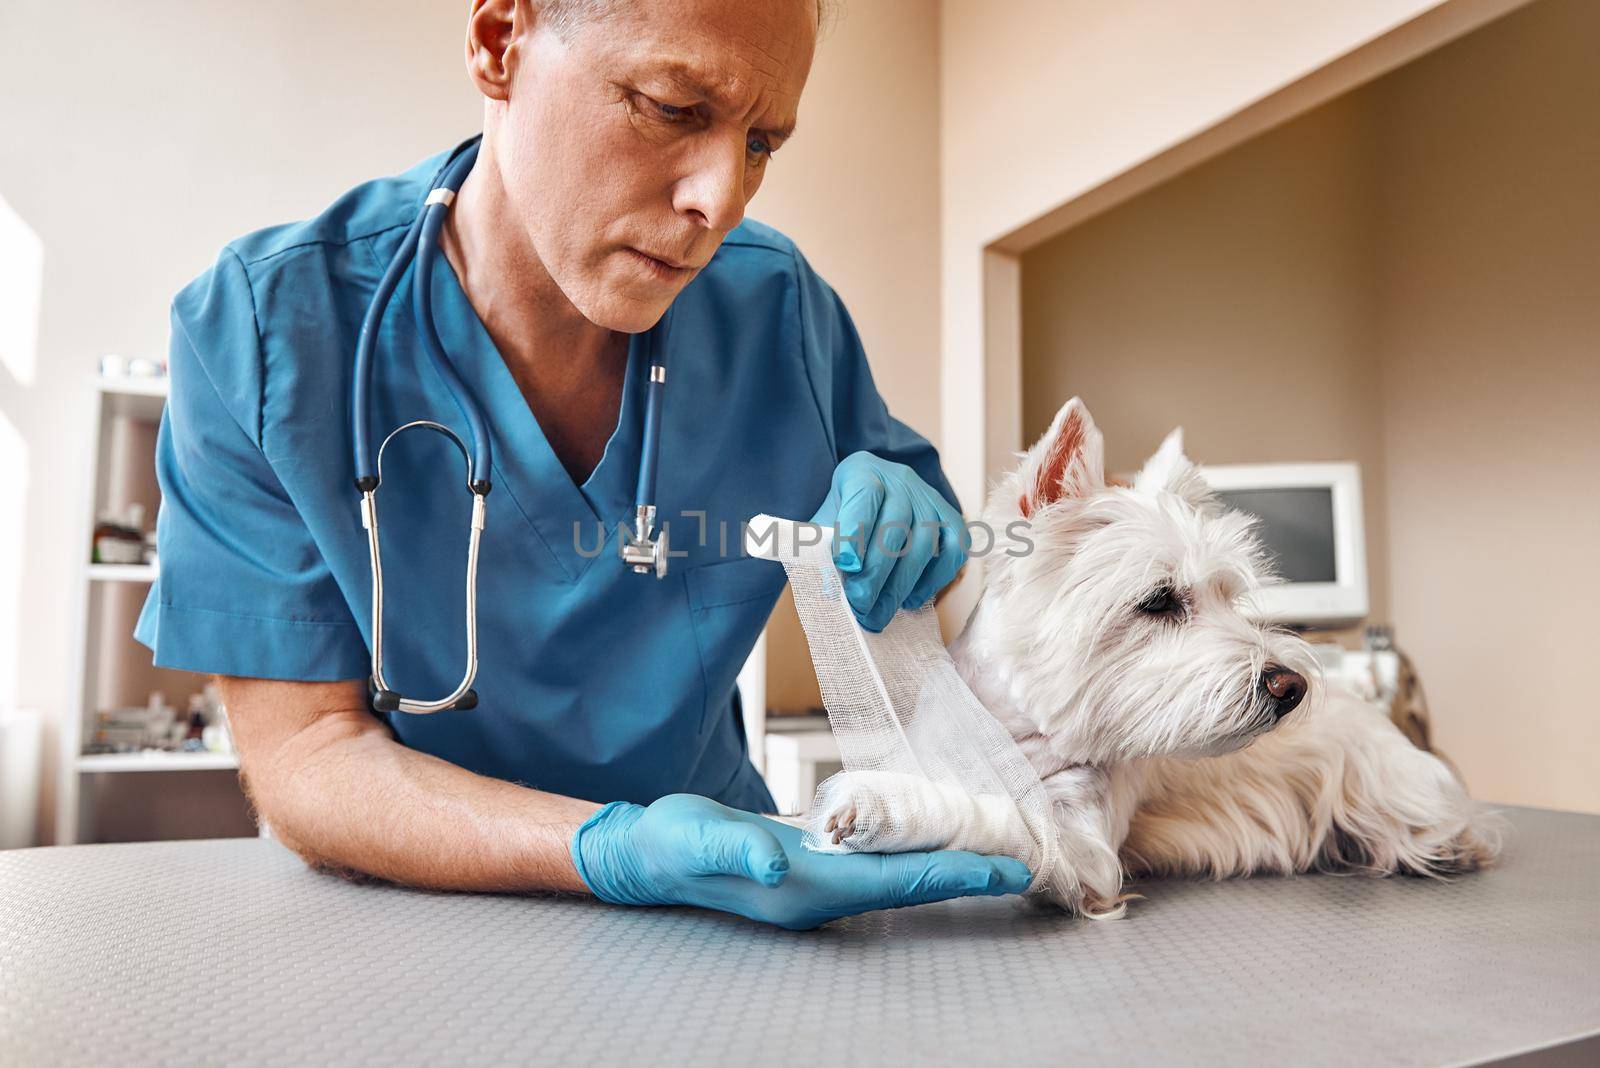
{"points": [[1310, 524]]}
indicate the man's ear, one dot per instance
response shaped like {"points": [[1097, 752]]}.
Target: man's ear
{"points": [[1068, 462], [493, 28], [1171, 471]]}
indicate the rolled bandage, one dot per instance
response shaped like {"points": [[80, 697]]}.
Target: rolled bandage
{"points": [[897, 705], [772, 538]]}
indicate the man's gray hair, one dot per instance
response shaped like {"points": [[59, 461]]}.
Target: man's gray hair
{"points": [[566, 16]]}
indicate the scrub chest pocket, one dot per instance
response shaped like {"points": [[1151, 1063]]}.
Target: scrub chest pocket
{"points": [[729, 602]]}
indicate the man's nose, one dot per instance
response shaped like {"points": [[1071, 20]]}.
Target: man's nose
{"points": [[1286, 688], [714, 191]]}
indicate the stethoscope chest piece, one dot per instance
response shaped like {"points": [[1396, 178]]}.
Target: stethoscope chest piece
{"points": [[641, 549]]}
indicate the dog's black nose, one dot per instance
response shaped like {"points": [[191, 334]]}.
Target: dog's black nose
{"points": [[1285, 687]]}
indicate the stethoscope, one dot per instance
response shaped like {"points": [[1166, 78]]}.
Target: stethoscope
{"points": [[640, 549]]}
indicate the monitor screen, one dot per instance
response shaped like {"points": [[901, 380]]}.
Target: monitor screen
{"points": [[1296, 529]]}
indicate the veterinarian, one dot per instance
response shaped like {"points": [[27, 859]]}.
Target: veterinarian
{"points": [[599, 231]]}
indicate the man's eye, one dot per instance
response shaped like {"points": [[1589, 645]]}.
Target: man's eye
{"points": [[670, 112], [758, 147]]}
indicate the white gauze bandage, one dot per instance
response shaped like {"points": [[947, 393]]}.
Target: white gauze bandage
{"points": [[897, 704]]}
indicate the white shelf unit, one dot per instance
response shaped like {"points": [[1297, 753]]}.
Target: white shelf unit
{"points": [[123, 416], [154, 761], [123, 572]]}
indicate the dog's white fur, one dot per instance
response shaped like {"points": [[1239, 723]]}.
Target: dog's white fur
{"points": [[1151, 731]]}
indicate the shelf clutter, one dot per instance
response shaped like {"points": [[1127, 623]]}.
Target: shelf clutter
{"points": [[157, 729], [131, 716], [120, 538], [119, 535]]}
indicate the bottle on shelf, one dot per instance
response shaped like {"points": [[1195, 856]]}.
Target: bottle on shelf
{"points": [[119, 539]]}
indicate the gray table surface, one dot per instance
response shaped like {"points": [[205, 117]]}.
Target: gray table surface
{"points": [[233, 952]]}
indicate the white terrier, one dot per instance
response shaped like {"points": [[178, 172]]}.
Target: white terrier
{"points": [[1173, 736]]}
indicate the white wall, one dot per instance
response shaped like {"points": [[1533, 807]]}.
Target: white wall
{"points": [[135, 139]]}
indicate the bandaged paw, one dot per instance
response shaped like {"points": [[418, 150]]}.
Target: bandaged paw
{"points": [[889, 812], [869, 812], [931, 768]]}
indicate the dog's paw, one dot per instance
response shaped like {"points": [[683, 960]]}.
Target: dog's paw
{"points": [[854, 813], [1411, 815], [1475, 846], [878, 812], [841, 822]]}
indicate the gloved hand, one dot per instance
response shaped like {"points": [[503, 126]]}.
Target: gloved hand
{"points": [[898, 541], [689, 850]]}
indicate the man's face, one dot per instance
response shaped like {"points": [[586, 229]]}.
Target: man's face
{"points": [[641, 138]]}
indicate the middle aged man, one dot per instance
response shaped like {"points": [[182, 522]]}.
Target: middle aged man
{"points": [[621, 143]]}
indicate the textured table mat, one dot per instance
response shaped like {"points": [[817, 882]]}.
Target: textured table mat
{"points": [[232, 952]]}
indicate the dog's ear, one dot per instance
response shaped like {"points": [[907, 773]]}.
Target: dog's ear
{"points": [[1170, 470], [1069, 461]]}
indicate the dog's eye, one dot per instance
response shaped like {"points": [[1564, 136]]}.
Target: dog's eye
{"points": [[1161, 603]]}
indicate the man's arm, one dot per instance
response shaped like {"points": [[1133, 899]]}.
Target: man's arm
{"points": [[340, 792], [337, 789]]}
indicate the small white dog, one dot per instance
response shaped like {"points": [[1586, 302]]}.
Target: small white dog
{"points": [[1173, 736]]}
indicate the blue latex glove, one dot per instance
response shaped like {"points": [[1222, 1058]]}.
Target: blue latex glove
{"points": [[689, 850], [898, 541]]}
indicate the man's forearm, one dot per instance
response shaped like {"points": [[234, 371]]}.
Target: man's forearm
{"points": [[343, 794]]}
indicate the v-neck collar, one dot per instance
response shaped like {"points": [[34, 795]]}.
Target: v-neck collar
{"points": [[572, 521]]}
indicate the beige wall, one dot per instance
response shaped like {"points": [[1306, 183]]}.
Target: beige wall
{"points": [[1235, 301], [858, 188], [1489, 327], [1045, 102], [1407, 277], [135, 139]]}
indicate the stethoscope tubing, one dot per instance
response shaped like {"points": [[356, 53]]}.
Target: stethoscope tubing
{"points": [[433, 217], [645, 492], [419, 248], [420, 244]]}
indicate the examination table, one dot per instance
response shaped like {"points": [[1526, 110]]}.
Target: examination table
{"points": [[232, 952]]}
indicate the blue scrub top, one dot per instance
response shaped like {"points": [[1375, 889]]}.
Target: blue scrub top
{"points": [[593, 681]]}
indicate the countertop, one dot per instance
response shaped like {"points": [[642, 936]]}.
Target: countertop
{"points": [[234, 952]]}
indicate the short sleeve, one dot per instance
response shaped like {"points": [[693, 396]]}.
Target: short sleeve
{"points": [[858, 417], [243, 589]]}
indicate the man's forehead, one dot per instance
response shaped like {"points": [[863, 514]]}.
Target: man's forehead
{"points": [[745, 58], [721, 88]]}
